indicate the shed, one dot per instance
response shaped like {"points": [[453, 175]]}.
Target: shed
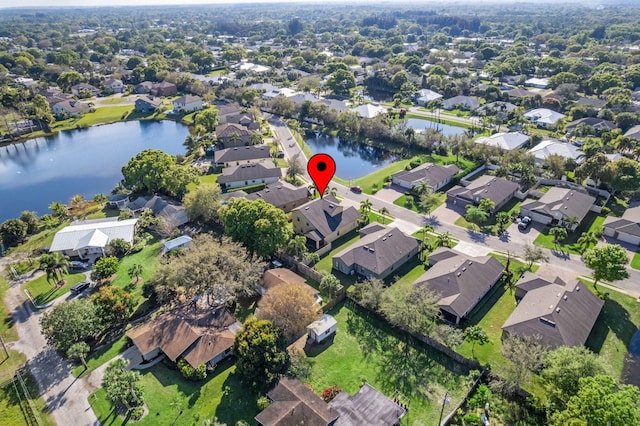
{"points": [[183, 241], [322, 328]]}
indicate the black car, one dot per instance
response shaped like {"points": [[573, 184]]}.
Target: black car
{"points": [[79, 287], [79, 266], [524, 223]]}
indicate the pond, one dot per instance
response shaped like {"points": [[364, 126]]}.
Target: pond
{"points": [[419, 124], [353, 159], [40, 171]]}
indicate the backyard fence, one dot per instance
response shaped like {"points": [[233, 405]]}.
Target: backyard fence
{"points": [[25, 400]]}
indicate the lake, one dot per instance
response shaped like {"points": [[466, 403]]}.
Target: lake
{"points": [[419, 124], [353, 159], [89, 161]]}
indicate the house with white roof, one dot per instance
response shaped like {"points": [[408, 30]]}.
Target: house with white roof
{"points": [[507, 141], [369, 110], [543, 117], [549, 147], [540, 83], [88, 238], [425, 96]]}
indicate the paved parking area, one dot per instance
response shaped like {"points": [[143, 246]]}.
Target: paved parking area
{"points": [[526, 236], [389, 194], [447, 214]]}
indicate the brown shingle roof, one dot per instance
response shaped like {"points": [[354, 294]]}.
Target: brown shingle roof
{"points": [[242, 153], [277, 276], [326, 214], [567, 202], [281, 194], [493, 188], [460, 280], [559, 314], [377, 251], [226, 130], [294, 404]]}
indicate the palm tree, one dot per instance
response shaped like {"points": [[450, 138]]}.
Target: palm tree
{"points": [[61, 264], [558, 234], [365, 206], [46, 264], [234, 138], [54, 265], [333, 191], [486, 205], [444, 239], [297, 246], [383, 212], [58, 209], [255, 138], [587, 239], [294, 168], [570, 222], [502, 218], [135, 271]]}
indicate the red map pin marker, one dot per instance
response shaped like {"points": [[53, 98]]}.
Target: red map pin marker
{"points": [[321, 168]]}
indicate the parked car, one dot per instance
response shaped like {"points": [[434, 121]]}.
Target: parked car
{"points": [[524, 223], [356, 189], [79, 266], [292, 144], [280, 154], [79, 287]]}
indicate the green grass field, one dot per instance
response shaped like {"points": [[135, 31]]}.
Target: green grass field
{"points": [[11, 412], [325, 265], [365, 349], [635, 261], [148, 258], [490, 227], [44, 292], [104, 115], [113, 101], [99, 357], [7, 329], [591, 223], [173, 400]]}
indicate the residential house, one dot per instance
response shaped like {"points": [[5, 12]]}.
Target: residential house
{"points": [[145, 104], [182, 242], [381, 251], [539, 83], [424, 96], [543, 117], [633, 133], [323, 220], [69, 108], [461, 281], [84, 90], [241, 155], [243, 119], [88, 239], [283, 195], [594, 103], [172, 211], [461, 102], [499, 108], [496, 189], [433, 175], [277, 276], [548, 147], [249, 174], [335, 104], [368, 407], [114, 85], [625, 228], [597, 124], [234, 135], [322, 329], [558, 205], [560, 313], [187, 103], [143, 88], [293, 403], [164, 88], [507, 141], [119, 201], [520, 93], [199, 334], [369, 110]]}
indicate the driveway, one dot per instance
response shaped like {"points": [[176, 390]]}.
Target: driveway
{"points": [[389, 194], [523, 237]]}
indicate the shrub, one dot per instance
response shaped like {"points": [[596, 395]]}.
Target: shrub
{"points": [[472, 419], [191, 373], [137, 413], [118, 247], [414, 163], [329, 393], [263, 403], [606, 211]]}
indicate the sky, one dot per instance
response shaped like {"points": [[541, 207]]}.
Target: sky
{"points": [[86, 3]]}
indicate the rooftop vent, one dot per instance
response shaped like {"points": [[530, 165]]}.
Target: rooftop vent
{"points": [[565, 297], [464, 268], [366, 247], [470, 263], [578, 288], [458, 274], [371, 250], [384, 238], [547, 321], [558, 310]]}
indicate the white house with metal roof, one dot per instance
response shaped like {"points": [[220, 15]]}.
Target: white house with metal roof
{"points": [[543, 117], [549, 147], [88, 238], [508, 141]]}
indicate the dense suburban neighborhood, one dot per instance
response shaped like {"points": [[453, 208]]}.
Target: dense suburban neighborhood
{"points": [[473, 260]]}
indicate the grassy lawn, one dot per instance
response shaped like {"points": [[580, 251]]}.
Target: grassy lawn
{"points": [[148, 258], [7, 329], [166, 392], [365, 349], [113, 101], [610, 336], [444, 119], [9, 365], [490, 227], [12, 412], [402, 202], [104, 115], [299, 139], [617, 206], [210, 179], [325, 264], [44, 238], [591, 223], [635, 262], [102, 355], [44, 292]]}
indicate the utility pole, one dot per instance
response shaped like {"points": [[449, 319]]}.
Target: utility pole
{"points": [[444, 402]]}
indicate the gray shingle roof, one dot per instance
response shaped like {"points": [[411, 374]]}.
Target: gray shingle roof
{"points": [[379, 250], [168, 209], [326, 214], [560, 314], [248, 172], [493, 188], [242, 153], [433, 174], [280, 194], [460, 280], [226, 130], [567, 202], [629, 223], [367, 407]]}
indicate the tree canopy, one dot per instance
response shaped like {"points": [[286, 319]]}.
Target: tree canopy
{"points": [[69, 323], [607, 262]]}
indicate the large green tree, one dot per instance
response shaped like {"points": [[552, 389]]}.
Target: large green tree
{"points": [[69, 323], [154, 171], [340, 82], [627, 175], [262, 354], [104, 268], [202, 203], [607, 262], [261, 227], [601, 401], [208, 119], [113, 305], [13, 232], [563, 368]]}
